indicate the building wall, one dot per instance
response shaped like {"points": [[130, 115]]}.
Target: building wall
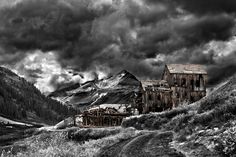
{"points": [[186, 87], [156, 100], [102, 120], [183, 88], [194, 82], [99, 118]]}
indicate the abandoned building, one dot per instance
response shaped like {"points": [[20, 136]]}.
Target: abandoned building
{"points": [[180, 83], [156, 96], [102, 117], [187, 82]]}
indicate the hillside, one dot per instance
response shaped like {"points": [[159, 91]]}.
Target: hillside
{"points": [[21, 100], [117, 89], [204, 128]]}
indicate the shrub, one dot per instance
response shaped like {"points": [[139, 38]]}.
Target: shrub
{"points": [[91, 134], [49, 144]]}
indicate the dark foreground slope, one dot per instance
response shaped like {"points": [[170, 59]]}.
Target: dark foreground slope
{"points": [[20, 100], [117, 89]]}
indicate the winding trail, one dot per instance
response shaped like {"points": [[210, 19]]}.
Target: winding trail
{"points": [[147, 145]]}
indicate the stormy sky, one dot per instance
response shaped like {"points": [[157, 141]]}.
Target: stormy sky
{"points": [[58, 42]]}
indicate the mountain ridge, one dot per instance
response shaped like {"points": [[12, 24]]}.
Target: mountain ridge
{"points": [[117, 88]]}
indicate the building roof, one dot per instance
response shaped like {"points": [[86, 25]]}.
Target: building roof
{"points": [[158, 84], [119, 107], [186, 69]]}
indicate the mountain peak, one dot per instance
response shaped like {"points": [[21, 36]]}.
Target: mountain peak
{"points": [[124, 74], [123, 71], [112, 90], [127, 78]]}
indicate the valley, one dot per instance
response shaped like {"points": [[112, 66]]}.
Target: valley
{"points": [[204, 128]]}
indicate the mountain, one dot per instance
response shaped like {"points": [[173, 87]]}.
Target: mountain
{"points": [[204, 128], [117, 89], [21, 100]]}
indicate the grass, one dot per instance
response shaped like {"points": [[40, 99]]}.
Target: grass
{"points": [[153, 121], [205, 128], [194, 125], [48, 144]]}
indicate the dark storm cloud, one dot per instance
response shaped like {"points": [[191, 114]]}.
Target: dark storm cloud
{"points": [[202, 7], [77, 30], [127, 35], [11, 59], [151, 13], [204, 29], [208, 6], [222, 69], [219, 73], [219, 66], [172, 35], [45, 24]]}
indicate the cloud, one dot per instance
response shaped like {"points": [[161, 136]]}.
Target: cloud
{"points": [[218, 57], [44, 70], [106, 36], [208, 6]]}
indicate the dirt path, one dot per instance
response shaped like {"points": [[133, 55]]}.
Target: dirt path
{"points": [[147, 145]]}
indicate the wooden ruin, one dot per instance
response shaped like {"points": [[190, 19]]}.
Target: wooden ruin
{"points": [[103, 117], [187, 81], [156, 96], [180, 83]]}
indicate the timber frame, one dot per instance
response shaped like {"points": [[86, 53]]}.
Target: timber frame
{"points": [[103, 117]]}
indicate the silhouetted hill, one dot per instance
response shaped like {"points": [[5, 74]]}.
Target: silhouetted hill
{"points": [[21, 100]]}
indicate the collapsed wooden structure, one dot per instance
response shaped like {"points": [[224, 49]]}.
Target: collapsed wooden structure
{"points": [[103, 117]]}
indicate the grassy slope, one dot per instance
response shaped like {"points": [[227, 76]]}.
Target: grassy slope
{"points": [[72, 142], [205, 128]]}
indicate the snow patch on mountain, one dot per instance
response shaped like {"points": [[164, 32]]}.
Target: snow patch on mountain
{"points": [[110, 82], [99, 96]]}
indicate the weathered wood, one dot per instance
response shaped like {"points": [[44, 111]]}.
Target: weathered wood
{"points": [[103, 117], [180, 83], [156, 96], [188, 87]]}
